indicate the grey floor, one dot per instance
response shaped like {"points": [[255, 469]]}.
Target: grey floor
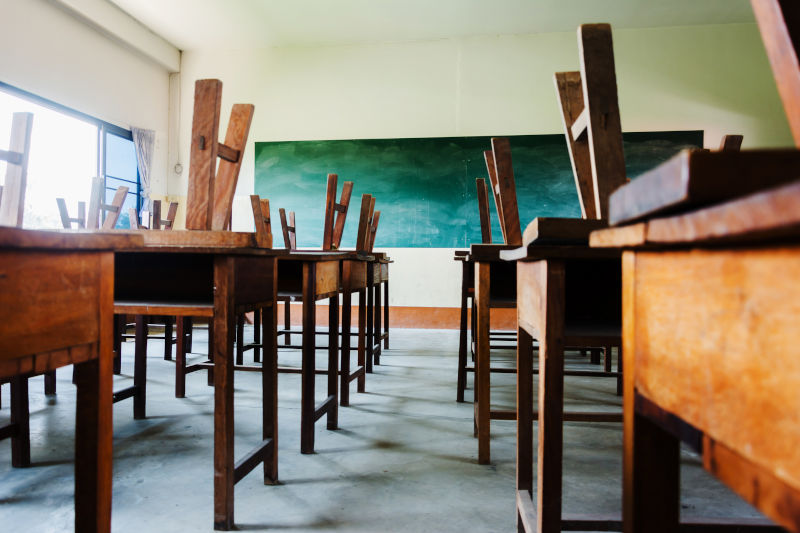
{"points": [[403, 460]]}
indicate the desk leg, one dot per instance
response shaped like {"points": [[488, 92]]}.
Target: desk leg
{"points": [[287, 322], [386, 314], [140, 369], [376, 340], [346, 307], [651, 456], [333, 361], [362, 337], [550, 288], [524, 417], [308, 362], [93, 445], [168, 337], [482, 387], [269, 381], [224, 328], [462, 339], [370, 316]]}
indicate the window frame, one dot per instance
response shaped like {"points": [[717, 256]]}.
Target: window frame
{"points": [[103, 128]]}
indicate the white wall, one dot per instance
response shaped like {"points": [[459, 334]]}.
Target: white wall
{"points": [[714, 78], [55, 55]]}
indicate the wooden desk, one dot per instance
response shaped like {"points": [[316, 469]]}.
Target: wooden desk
{"points": [[315, 275], [219, 277], [495, 286], [566, 296], [710, 336], [467, 292], [56, 309], [377, 279]]}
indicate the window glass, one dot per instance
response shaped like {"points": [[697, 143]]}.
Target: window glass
{"points": [[120, 158], [61, 164]]}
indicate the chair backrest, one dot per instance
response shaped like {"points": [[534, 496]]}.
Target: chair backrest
{"points": [[596, 125], [483, 210], [501, 175], [66, 220], [12, 199], [262, 220], [155, 220], [373, 229], [97, 205], [335, 213], [779, 23], [365, 223], [731, 143], [211, 187], [289, 231]]}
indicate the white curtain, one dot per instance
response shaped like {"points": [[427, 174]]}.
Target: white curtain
{"points": [[144, 141]]}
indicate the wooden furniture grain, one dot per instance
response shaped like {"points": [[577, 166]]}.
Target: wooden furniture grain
{"points": [[567, 293], [707, 294], [37, 335]]}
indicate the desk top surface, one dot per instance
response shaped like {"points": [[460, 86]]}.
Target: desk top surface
{"points": [[771, 216], [11, 238]]}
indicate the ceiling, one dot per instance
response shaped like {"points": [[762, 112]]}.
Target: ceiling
{"points": [[236, 24]]}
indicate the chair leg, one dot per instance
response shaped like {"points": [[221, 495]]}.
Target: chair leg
{"points": [[20, 416], [168, 338], [240, 340], [257, 336], [140, 368], [386, 314], [119, 330], [211, 352], [287, 322], [180, 357], [50, 383]]}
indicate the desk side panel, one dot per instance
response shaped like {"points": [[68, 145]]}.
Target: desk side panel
{"points": [[48, 301], [716, 343]]}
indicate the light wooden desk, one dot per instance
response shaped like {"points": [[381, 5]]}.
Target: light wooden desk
{"points": [[566, 296], [56, 309], [495, 286], [219, 275], [711, 303]]}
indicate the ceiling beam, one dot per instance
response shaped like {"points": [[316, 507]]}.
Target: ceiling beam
{"points": [[117, 25]]}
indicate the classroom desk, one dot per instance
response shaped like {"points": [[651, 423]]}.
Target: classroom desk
{"points": [[56, 309], [710, 336], [567, 295], [467, 292], [219, 275], [377, 308], [495, 286], [316, 275]]}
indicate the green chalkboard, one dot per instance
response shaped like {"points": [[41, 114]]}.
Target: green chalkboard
{"points": [[425, 188]]}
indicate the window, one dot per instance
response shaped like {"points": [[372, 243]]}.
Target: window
{"points": [[120, 169], [68, 149]]}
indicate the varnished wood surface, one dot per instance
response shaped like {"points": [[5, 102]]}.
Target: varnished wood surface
{"points": [[501, 150], [598, 75], [699, 178], [570, 95], [714, 343], [203, 164], [12, 201], [228, 171], [536, 252], [488, 252], [761, 217], [483, 211], [68, 240], [779, 23], [547, 230]]}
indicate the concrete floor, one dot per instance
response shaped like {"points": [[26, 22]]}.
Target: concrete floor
{"points": [[403, 460]]}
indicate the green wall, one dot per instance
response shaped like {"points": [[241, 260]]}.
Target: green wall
{"points": [[425, 187]]}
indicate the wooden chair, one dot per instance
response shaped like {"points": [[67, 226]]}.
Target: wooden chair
{"points": [[333, 229], [167, 322], [731, 216]]}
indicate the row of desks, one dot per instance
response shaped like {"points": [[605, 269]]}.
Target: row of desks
{"points": [[61, 290]]}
